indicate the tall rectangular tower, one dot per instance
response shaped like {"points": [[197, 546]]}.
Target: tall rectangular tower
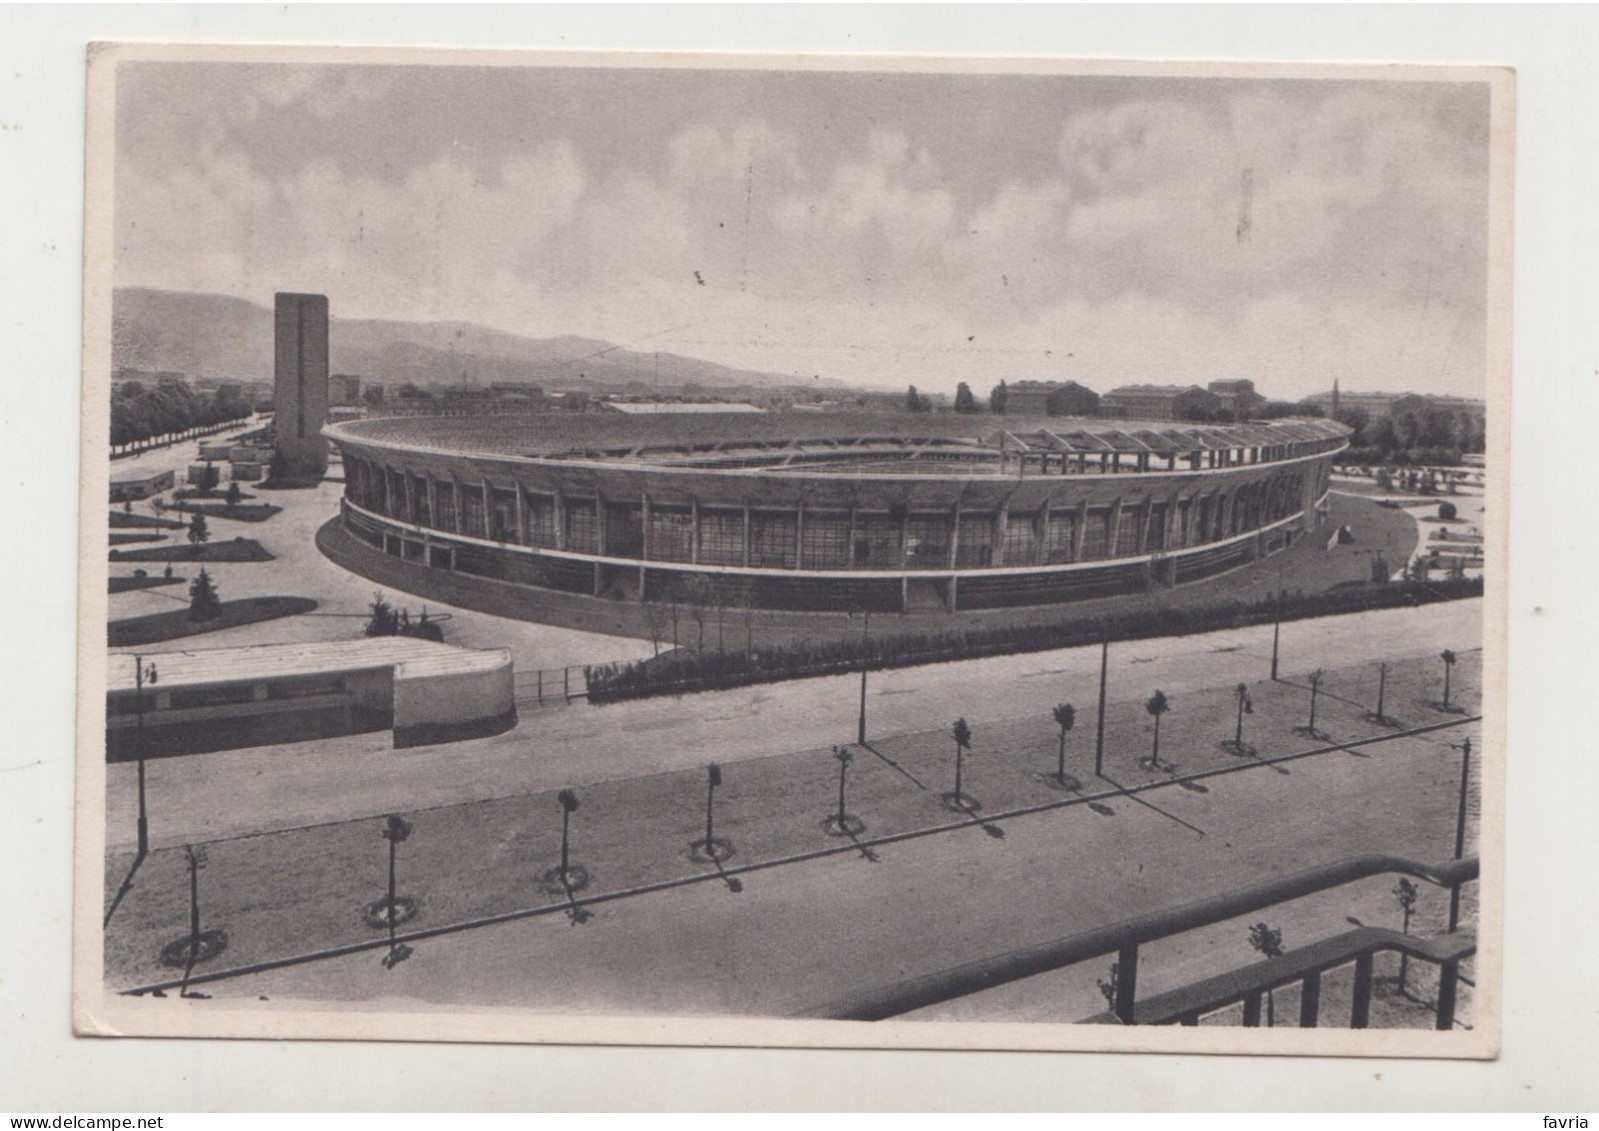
{"points": [[300, 391]]}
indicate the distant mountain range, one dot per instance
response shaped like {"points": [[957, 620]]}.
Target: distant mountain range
{"points": [[205, 335]]}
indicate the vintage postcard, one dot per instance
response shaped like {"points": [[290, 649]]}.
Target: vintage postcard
{"points": [[834, 551]]}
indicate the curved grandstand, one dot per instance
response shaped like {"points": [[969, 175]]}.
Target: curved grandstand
{"points": [[832, 512]]}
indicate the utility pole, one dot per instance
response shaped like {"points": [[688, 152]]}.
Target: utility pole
{"points": [[1099, 739], [866, 624], [1276, 634], [1460, 831], [1382, 687]]}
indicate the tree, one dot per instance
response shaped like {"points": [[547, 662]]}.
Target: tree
{"points": [[234, 493], [209, 477], [964, 401], [385, 621], [1065, 717], [198, 531], [395, 830], [998, 398], [1406, 893], [1157, 705], [1448, 658], [914, 401], [1447, 510], [1269, 941], [204, 604], [1245, 707], [962, 734], [655, 623]]}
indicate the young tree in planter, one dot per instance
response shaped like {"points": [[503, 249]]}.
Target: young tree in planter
{"points": [[1406, 893], [204, 604], [196, 861], [198, 531], [395, 830], [209, 478], [569, 804], [1315, 690], [1157, 705], [1269, 941], [655, 623], [234, 493], [1245, 707], [1448, 658], [962, 734], [1065, 718]]}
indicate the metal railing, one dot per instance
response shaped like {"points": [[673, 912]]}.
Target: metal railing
{"points": [[550, 685], [1246, 985]]}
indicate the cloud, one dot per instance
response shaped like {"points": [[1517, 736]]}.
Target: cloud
{"points": [[1283, 231]]}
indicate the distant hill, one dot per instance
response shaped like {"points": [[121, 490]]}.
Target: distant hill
{"points": [[216, 336]]}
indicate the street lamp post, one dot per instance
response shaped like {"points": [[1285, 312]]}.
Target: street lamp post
{"points": [[139, 676], [866, 625], [1099, 738]]}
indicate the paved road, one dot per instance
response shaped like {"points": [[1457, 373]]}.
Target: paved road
{"points": [[226, 793]]}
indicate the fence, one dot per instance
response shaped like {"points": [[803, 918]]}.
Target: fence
{"points": [[683, 670], [540, 686]]}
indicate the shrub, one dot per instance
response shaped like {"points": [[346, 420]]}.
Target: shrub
{"points": [[1447, 510]]}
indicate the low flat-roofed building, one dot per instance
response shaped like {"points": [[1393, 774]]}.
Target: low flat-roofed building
{"points": [[227, 698], [142, 486], [1160, 402], [642, 408]]}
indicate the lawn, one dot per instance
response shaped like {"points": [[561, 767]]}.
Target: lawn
{"points": [[123, 520], [124, 539], [155, 627], [238, 550], [247, 512], [128, 584]]}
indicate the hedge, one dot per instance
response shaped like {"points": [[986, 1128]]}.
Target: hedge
{"points": [[677, 672]]}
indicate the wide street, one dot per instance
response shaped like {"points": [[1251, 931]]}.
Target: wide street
{"points": [[231, 792]]}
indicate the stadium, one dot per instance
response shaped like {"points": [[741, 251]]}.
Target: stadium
{"points": [[831, 513]]}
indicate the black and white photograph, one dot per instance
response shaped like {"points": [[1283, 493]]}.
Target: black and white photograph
{"points": [[804, 550]]}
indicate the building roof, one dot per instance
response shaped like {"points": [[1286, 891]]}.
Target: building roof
{"points": [[409, 656], [1153, 390], [643, 408]]}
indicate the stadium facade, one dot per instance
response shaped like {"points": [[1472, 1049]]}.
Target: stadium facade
{"points": [[840, 513]]}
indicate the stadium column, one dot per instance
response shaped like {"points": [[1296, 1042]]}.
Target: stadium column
{"points": [[560, 519], [458, 495], [1041, 533], [433, 502], [694, 529], [1080, 531], [521, 512], [996, 538], [488, 510], [1113, 537], [406, 490], [852, 515], [746, 533], [388, 492], [599, 536], [799, 535], [644, 543], [1146, 512]]}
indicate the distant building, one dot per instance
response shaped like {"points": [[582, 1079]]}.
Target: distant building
{"points": [[1238, 396], [344, 388], [142, 486], [1160, 402], [300, 389], [1050, 398], [1378, 405], [1455, 406]]}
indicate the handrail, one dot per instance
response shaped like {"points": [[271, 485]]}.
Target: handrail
{"points": [[1187, 1004], [1126, 937]]}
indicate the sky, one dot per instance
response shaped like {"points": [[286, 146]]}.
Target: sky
{"points": [[876, 228]]}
